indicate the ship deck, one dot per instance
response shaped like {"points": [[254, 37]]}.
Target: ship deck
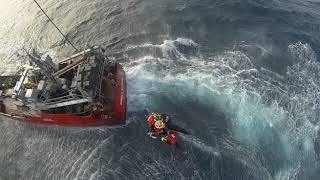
{"points": [[85, 90]]}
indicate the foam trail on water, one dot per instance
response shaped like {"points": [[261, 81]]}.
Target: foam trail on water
{"points": [[196, 142]]}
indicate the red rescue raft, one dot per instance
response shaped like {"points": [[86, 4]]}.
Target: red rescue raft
{"points": [[172, 137]]}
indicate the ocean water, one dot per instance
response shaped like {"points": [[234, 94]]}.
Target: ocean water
{"points": [[241, 75]]}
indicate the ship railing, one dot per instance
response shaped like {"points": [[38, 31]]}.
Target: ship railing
{"points": [[62, 101], [45, 106], [63, 98], [101, 74]]}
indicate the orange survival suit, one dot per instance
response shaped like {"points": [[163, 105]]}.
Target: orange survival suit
{"points": [[157, 124]]}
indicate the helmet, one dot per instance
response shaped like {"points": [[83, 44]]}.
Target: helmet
{"points": [[159, 124]]}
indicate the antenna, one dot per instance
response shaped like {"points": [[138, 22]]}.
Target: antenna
{"points": [[55, 25]]}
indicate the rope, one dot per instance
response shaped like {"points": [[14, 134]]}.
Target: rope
{"points": [[55, 25]]}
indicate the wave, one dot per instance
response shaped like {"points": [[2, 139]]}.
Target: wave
{"points": [[275, 115]]}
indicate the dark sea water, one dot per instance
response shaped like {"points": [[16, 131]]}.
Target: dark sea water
{"points": [[242, 75]]}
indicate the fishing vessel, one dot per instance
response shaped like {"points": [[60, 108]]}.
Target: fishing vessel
{"points": [[86, 89]]}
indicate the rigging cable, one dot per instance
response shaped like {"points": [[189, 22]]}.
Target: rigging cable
{"points": [[55, 25]]}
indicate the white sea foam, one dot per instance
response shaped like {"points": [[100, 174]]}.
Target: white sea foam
{"points": [[245, 93]]}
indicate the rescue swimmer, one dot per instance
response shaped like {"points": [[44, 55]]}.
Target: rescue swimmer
{"points": [[162, 127]]}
